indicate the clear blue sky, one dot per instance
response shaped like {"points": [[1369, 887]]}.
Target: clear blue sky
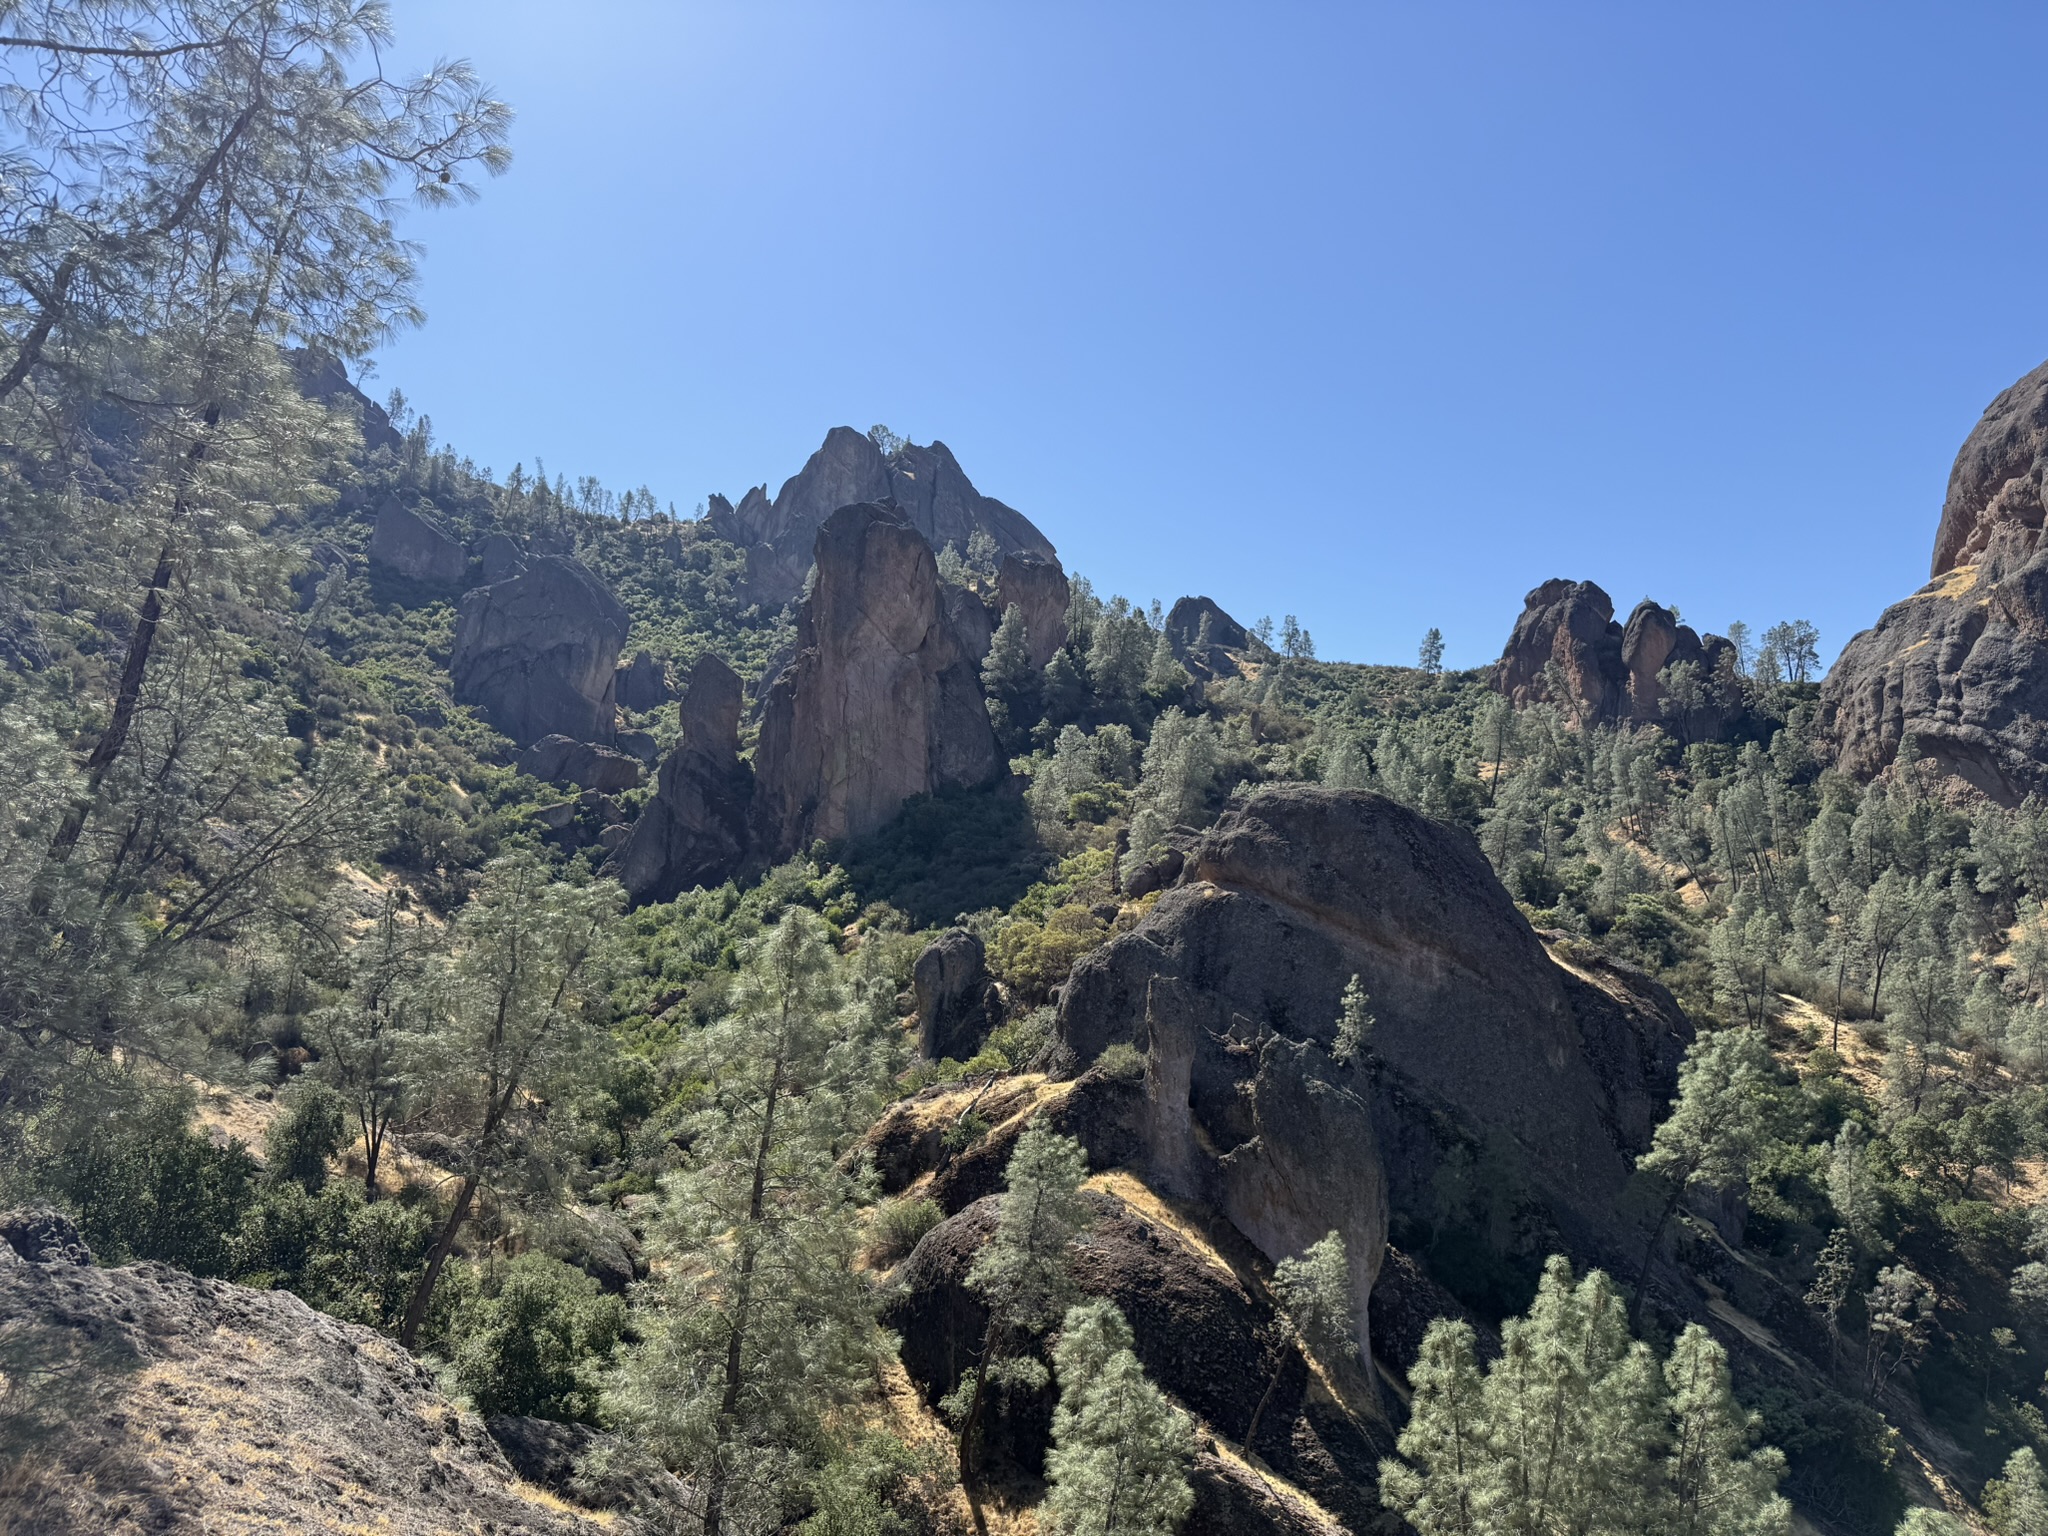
{"points": [[1375, 314]]}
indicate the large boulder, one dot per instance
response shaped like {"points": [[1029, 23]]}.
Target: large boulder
{"points": [[1037, 587], [1956, 675], [1998, 474], [539, 652], [150, 1400], [643, 683], [926, 485], [694, 831], [957, 1002], [414, 546], [1202, 1327], [1569, 624], [565, 760], [1653, 640], [882, 701], [499, 558], [1493, 1067]]}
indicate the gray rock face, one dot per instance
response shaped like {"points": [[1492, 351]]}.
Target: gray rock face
{"points": [[538, 653], [1487, 1053], [565, 760], [957, 1003], [1038, 588], [1998, 475], [194, 1405], [926, 485], [1960, 667], [1184, 634], [882, 702], [694, 831], [643, 683], [324, 379], [415, 547], [499, 558], [1652, 641]]}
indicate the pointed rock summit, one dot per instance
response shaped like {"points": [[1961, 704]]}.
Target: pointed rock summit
{"points": [[925, 484]]}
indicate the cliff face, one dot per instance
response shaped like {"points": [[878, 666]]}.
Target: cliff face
{"points": [[1487, 1053], [883, 700], [694, 831], [1959, 670], [925, 484], [539, 652], [1568, 649]]}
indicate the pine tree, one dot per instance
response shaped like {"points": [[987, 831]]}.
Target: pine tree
{"points": [[1834, 1274], [1717, 1485], [1430, 657], [1354, 1026], [1023, 1274], [1120, 1453], [2017, 1503], [1852, 1185], [366, 1039], [511, 1027], [759, 1327], [1312, 1304], [1441, 1485], [1717, 1124], [1011, 681]]}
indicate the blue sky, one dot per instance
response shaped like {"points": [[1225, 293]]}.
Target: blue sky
{"points": [[1378, 315]]}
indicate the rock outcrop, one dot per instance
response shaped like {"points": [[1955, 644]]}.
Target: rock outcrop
{"points": [[882, 702], [1609, 672], [1204, 656], [643, 683], [694, 831], [956, 999], [170, 1403], [1998, 475], [1956, 675], [926, 485], [499, 558], [324, 379], [565, 760], [539, 652], [1569, 624], [1038, 588], [1487, 1054], [414, 546]]}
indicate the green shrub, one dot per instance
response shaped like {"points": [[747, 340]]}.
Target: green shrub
{"points": [[899, 1224], [147, 1187], [1122, 1063], [539, 1342], [311, 1127]]}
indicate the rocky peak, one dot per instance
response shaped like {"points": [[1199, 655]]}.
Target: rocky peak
{"points": [[1571, 624], [1184, 634], [694, 831], [539, 652], [1998, 473], [883, 701], [1038, 588], [925, 484]]}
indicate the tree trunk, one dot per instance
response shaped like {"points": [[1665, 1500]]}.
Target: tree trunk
{"points": [[1635, 1306], [423, 1293], [1252, 1429]]}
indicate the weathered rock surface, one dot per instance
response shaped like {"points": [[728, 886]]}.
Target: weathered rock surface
{"points": [[1960, 669], [968, 617], [565, 760], [957, 1001], [414, 546], [1203, 1329], [324, 379], [1998, 474], [1038, 588], [694, 831], [1184, 634], [643, 683], [1570, 623], [882, 701], [926, 485], [499, 558], [1487, 1053], [191, 1404], [539, 652]]}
